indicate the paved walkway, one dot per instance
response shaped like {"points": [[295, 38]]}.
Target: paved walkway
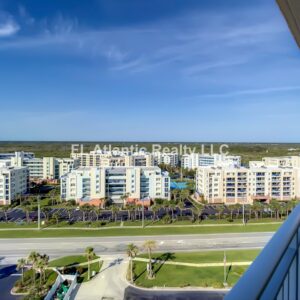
{"points": [[109, 284], [200, 265]]}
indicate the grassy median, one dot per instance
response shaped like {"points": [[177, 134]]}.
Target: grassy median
{"points": [[136, 231]]}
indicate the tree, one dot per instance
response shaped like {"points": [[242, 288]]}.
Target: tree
{"points": [[184, 194], [220, 210], [89, 252], [256, 208], [21, 264], [155, 209], [172, 207], [131, 251], [5, 209], [69, 211], [46, 212], [32, 259], [27, 210], [181, 207], [149, 246], [114, 212], [41, 265], [84, 209], [275, 206], [56, 217]]}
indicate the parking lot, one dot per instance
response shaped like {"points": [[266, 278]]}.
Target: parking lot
{"points": [[73, 215], [8, 276]]}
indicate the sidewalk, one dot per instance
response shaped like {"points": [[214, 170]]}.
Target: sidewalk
{"points": [[201, 265], [110, 283]]}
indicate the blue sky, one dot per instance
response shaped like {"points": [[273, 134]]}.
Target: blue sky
{"points": [[172, 70]]}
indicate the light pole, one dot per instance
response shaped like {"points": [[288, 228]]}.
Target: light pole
{"points": [[143, 211], [225, 273], [39, 212], [243, 205]]}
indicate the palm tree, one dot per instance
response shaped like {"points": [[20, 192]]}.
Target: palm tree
{"points": [[5, 209], [89, 252], [21, 264], [181, 207], [131, 251], [149, 246], [41, 265], [155, 208], [32, 259], [220, 210], [27, 210], [275, 206], [84, 209], [114, 212], [69, 211], [256, 208], [172, 206], [46, 212], [56, 217]]}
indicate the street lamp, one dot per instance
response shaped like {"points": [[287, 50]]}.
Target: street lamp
{"points": [[143, 211], [225, 272], [39, 212]]}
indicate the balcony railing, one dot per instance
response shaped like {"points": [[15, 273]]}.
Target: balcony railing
{"points": [[275, 272]]}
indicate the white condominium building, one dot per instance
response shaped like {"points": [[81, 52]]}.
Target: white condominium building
{"points": [[13, 182], [40, 168], [195, 160], [244, 185], [89, 183], [283, 161], [171, 159], [113, 159]]}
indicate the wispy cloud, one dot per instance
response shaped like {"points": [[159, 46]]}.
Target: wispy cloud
{"points": [[252, 92], [8, 27]]}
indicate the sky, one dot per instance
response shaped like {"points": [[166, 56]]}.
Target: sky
{"points": [[140, 70]]}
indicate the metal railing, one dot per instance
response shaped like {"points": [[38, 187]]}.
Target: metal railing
{"points": [[274, 274]]}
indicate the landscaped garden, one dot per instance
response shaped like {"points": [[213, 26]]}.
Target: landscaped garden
{"points": [[39, 274]]}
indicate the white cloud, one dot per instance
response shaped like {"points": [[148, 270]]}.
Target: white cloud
{"points": [[8, 28]]}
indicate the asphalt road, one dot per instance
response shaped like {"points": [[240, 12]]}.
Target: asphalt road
{"points": [[132, 293], [12, 249], [8, 276]]}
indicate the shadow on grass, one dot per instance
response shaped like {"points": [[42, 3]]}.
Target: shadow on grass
{"points": [[163, 258], [158, 263]]}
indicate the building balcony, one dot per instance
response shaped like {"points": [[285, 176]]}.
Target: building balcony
{"points": [[274, 274]]}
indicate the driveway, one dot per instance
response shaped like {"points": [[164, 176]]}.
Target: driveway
{"points": [[109, 284], [8, 276]]}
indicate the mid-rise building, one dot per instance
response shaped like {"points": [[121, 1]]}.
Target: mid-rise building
{"points": [[86, 184], [13, 182], [195, 160], [283, 161], [114, 159], [46, 168], [231, 185], [171, 158]]}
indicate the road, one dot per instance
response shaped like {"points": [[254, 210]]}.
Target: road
{"points": [[12, 249], [132, 293]]}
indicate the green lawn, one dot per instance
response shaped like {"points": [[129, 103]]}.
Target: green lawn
{"points": [[207, 256], [69, 260], [136, 231], [179, 276], [192, 276], [17, 225]]}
